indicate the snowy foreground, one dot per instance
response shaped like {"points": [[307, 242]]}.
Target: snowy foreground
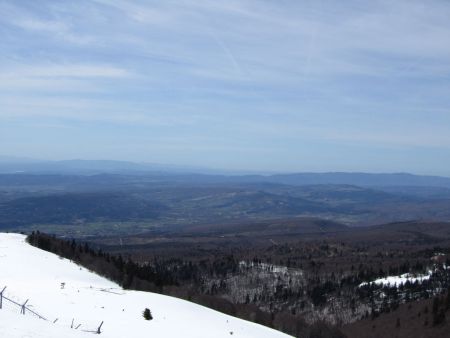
{"points": [[87, 299]]}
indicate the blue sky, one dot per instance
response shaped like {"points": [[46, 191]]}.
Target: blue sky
{"points": [[254, 85]]}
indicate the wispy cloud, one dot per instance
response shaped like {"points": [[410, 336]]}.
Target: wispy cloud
{"points": [[301, 71], [67, 70], [53, 28]]}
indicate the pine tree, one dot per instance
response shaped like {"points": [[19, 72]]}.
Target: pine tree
{"points": [[435, 305], [147, 314], [447, 300]]}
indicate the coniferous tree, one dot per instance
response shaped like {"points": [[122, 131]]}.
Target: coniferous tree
{"points": [[147, 314]]}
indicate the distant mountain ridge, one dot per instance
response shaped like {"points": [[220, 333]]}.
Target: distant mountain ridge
{"points": [[86, 167], [10, 165], [362, 179]]}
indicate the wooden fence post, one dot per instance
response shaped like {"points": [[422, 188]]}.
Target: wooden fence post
{"points": [[1, 297], [98, 330], [22, 311]]}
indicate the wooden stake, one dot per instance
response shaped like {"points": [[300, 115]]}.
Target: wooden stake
{"points": [[98, 330], [22, 311], [1, 297]]}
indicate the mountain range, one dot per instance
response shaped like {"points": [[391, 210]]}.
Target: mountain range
{"points": [[10, 165]]}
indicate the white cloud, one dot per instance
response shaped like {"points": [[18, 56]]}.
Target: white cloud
{"points": [[53, 28], [40, 25], [70, 70], [59, 78]]}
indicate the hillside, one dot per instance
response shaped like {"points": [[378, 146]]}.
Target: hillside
{"points": [[59, 289], [415, 319]]}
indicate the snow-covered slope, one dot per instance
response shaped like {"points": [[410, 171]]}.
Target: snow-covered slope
{"points": [[398, 280], [88, 299]]}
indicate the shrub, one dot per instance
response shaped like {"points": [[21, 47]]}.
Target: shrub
{"points": [[147, 314]]}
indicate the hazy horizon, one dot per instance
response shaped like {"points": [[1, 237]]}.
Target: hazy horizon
{"points": [[289, 86], [202, 169]]}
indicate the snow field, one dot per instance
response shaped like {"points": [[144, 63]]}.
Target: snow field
{"points": [[88, 299]]}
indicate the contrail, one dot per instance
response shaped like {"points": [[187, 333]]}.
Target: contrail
{"points": [[227, 51]]}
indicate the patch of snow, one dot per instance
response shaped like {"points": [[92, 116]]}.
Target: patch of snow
{"points": [[276, 269], [397, 280]]}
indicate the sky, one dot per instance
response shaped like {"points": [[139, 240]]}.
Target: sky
{"points": [[279, 86]]}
